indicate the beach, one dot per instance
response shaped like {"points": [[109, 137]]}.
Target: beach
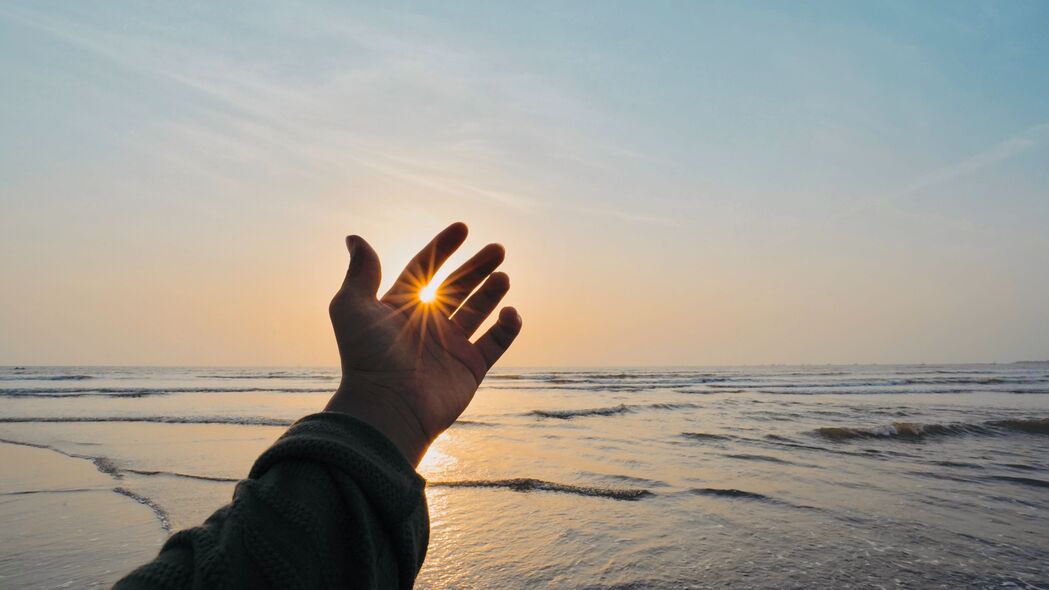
{"points": [[931, 476]]}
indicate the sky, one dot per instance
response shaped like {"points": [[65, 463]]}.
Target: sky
{"points": [[676, 183]]}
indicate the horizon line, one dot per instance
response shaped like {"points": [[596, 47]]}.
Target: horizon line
{"points": [[556, 366]]}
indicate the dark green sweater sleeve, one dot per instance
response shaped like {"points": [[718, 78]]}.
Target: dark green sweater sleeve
{"points": [[332, 504]]}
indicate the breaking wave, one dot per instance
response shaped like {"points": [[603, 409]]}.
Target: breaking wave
{"points": [[528, 484], [916, 430]]}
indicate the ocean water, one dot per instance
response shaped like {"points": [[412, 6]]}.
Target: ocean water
{"points": [[746, 477]]}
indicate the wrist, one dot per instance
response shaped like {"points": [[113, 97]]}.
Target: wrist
{"points": [[396, 423]]}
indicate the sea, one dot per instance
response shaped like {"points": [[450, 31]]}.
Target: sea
{"points": [[911, 476]]}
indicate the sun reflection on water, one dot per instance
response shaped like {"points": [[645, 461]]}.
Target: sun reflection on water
{"points": [[436, 462]]}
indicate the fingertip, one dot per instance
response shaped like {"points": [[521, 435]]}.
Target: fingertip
{"points": [[497, 251], [509, 318], [500, 280], [351, 243], [457, 229]]}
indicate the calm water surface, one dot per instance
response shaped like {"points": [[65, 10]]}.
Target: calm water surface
{"points": [[751, 477]]}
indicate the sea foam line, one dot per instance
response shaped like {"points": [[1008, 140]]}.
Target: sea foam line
{"points": [[609, 411], [160, 513], [110, 468], [916, 430], [529, 484]]}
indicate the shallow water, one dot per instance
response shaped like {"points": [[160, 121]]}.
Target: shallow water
{"points": [[753, 477]]}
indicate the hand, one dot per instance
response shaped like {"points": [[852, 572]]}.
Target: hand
{"points": [[408, 366]]}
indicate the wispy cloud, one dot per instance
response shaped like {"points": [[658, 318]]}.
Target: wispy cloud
{"points": [[456, 123], [999, 152], [629, 217]]}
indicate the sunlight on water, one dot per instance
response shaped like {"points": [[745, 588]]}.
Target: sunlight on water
{"points": [[773, 477], [436, 462]]}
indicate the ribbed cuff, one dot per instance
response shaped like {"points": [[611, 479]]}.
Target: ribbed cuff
{"points": [[349, 445]]}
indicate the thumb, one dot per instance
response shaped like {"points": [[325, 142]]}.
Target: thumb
{"points": [[364, 274]]}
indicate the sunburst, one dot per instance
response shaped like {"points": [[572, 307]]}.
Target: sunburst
{"points": [[428, 294]]}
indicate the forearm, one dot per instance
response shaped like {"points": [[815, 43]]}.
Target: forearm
{"points": [[332, 504]]}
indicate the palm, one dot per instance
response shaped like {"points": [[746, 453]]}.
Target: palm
{"points": [[414, 358]]}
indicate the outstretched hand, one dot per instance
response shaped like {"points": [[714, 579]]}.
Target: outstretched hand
{"points": [[408, 366]]}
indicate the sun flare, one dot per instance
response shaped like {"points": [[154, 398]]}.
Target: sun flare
{"points": [[428, 293]]}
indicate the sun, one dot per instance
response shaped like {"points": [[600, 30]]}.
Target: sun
{"points": [[428, 293]]}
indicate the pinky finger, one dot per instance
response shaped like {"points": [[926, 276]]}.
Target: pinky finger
{"points": [[499, 337]]}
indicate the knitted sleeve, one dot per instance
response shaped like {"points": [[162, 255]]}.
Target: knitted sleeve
{"points": [[332, 504]]}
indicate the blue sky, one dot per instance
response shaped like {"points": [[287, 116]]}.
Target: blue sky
{"points": [[677, 183]]}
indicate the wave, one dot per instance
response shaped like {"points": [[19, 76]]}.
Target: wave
{"points": [[606, 387], [1034, 426], [529, 484], [625, 478], [610, 411], [471, 423], [896, 382], [34, 445], [54, 491], [736, 494], [1020, 466], [17, 377], [778, 442], [160, 513], [729, 493], [958, 464], [593, 376], [103, 464], [151, 473], [762, 458], [569, 414], [705, 436], [236, 420], [247, 421], [110, 467], [1027, 481], [866, 389], [147, 391], [278, 375], [916, 430]]}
